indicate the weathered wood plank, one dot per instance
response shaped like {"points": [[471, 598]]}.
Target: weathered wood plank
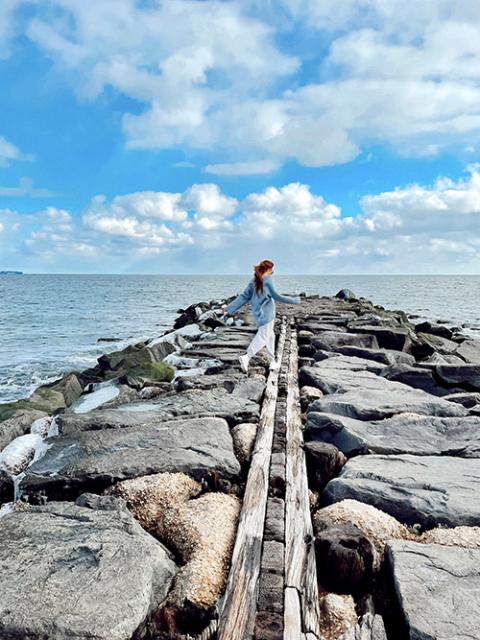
{"points": [[302, 615], [238, 614], [292, 617]]}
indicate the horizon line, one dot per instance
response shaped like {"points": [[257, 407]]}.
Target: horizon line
{"points": [[13, 272]]}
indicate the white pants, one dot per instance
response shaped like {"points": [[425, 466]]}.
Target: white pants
{"points": [[265, 337]]}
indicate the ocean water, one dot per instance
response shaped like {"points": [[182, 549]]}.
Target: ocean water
{"points": [[51, 324]]}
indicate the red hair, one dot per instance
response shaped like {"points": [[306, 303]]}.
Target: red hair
{"points": [[258, 271]]}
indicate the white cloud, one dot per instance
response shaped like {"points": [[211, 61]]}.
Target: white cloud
{"points": [[125, 217], [448, 206], [150, 204], [414, 228], [184, 60], [211, 76], [10, 153], [207, 200], [26, 189]]}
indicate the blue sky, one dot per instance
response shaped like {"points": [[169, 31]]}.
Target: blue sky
{"points": [[200, 136]]}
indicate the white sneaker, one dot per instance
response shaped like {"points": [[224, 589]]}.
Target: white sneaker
{"points": [[244, 360], [273, 363]]}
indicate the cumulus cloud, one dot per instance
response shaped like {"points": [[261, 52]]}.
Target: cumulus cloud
{"points": [[292, 214], [213, 76], [207, 201], [140, 217], [414, 228], [183, 60], [411, 227], [150, 204], [50, 236], [165, 219]]}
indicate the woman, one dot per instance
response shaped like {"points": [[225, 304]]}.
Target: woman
{"points": [[261, 294]]}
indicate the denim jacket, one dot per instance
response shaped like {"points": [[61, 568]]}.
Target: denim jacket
{"points": [[263, 305]]}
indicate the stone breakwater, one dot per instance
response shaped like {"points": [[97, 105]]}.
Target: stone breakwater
{"points": [[124, 487]]}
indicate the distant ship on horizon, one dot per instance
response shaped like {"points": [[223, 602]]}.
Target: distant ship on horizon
{"points": [[11, 273]]}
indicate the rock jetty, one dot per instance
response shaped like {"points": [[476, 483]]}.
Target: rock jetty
{"points": [[164, 493]]}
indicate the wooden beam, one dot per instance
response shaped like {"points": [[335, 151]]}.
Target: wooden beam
{"points": [[240, 601], [301, 612]]}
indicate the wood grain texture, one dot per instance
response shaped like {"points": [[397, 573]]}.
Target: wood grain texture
{"points": [[302, 614], [238, 615]]}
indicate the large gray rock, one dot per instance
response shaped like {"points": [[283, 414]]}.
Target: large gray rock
{"points": [[340, 380], [225, 354], [467, 399], [333, 323], [370, 402], [92, 460], [228, 335], [437, 343], [333, 360], [416, 377], [236, 406], [346, 294], [331, 340], [250, 388], [161, 350], [403, 433], [370, 627], [438, 590], [131, 356], [469, 350], [440, 358], [70, 424], [398, 338], [434, 329], [384, 356], [467, 375], [429, 490], [226, 396], [18, 425], [73, 572]]}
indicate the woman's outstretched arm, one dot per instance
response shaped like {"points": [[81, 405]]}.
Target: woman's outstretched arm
{"points": [[268, 284], [240, 300]]}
